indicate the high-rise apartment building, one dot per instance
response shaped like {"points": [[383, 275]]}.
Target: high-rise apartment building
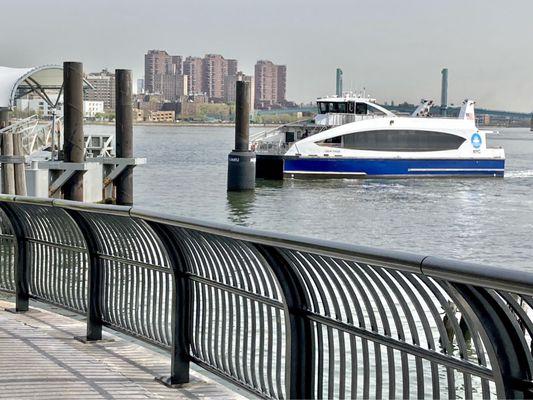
{"points": [[215, 69], [171, 87], [281, 81], [193, 67], [162, 71], [156, 62], [104, 88], [270, 84], [232, 67]]}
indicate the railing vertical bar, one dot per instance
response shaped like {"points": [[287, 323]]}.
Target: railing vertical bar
{"points": [[300, 349], [95, 289], [279, 344], [21, 273], [181, 304]]}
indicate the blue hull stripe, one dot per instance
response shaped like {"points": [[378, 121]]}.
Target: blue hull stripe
{"points": [[381, 167]]}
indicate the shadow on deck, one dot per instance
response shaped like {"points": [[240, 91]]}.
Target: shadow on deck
{"points": [[39, 358]]}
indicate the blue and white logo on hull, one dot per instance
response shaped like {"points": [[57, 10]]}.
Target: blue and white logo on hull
{"points": [[476, 140]]}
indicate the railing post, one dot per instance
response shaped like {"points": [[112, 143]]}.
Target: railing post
{"points": [[94, 281], [509, 354], [181, 310], [22, 289], [300, 349]]}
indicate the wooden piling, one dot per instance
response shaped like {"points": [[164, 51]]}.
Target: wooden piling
{"points": [[124, 134], [8, 171], [20, 170], [74, 146]]}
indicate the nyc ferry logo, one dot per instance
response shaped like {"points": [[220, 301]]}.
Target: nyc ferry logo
{"points": [[476, 140]]}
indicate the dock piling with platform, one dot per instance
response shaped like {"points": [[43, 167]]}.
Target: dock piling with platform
{"points": [[241, 161]]}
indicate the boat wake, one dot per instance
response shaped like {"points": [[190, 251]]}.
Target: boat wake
{"points": [[528, 173]]}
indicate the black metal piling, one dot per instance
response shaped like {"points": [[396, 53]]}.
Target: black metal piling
{"points": [[73, 147], [241, 161], [124, 135]]}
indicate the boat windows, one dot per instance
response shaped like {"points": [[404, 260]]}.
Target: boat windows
{"points": [[351, 107], [331, 142], [401, 140], [289, 137], [336, 107], [361, 108]]}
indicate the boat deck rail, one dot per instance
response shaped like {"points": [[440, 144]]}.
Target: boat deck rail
{"points": [[279, 315]]}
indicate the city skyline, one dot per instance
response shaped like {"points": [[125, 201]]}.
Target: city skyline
{"points": [[394, 50]]}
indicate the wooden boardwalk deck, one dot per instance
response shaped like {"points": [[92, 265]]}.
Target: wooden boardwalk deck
{"points": [[40, 359]]}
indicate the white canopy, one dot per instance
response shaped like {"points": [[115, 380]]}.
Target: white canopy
{"points": [[17, 82]]}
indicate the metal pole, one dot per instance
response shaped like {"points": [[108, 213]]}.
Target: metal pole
{"points": [[8, 171], [73, 147], [124, 134], [241, 161], [4, 121], [20, 170]]}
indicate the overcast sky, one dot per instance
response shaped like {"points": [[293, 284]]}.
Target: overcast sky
{"points": [[394, 48]]}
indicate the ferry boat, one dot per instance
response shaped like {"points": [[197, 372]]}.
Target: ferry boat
{"points": [[353, 137]]}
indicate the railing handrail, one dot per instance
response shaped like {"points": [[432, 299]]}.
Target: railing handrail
{"points": [[489, 276]]}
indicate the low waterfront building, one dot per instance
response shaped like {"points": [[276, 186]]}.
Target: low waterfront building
{"points": [[148, 102], [138, 115], [92, 108], [163, 116], [36, 105]]}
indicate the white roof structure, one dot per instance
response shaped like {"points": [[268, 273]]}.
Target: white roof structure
{"points": [[18, 82]]}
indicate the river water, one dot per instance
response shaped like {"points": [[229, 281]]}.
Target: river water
{"points": [[481, 220]]}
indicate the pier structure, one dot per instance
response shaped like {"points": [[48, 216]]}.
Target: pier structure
{"points": [[278, 315], [75, 169]]}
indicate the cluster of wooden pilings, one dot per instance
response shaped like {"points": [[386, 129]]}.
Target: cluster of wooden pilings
{"points": [[72, 159], [13, 173]]}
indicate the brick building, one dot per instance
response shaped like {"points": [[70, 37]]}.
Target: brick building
{"points": [[270, 84]]}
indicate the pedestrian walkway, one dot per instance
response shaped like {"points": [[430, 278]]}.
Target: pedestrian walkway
{"points": [[40, 359]]}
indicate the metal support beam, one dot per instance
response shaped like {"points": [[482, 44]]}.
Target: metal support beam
{"points": [[74, 146], [124, 135], [67, 171]]}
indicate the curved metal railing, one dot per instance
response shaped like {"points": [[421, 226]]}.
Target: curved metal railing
{"points": [[281, 316]]}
